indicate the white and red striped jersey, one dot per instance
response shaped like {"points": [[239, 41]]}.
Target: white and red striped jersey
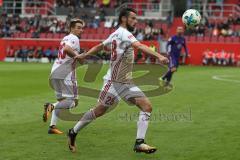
{"points": [[63, 67], [122, 55]]}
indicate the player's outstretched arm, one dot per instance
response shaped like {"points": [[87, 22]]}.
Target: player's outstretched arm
{"points": [[69, 51], [147, 50], [92, 51]]}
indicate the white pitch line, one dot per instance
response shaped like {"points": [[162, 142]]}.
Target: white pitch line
{"points": [[224, 78]]}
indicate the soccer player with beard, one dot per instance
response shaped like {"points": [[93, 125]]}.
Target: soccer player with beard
{"points": [[118, 80], [63, 76]]}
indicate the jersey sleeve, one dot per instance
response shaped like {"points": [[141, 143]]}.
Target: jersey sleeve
{"points": [[72, 42], [107, 41], [129, 37]]}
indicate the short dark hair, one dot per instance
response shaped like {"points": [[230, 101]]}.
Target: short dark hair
{"points": [[74, 21], [125, 13]]}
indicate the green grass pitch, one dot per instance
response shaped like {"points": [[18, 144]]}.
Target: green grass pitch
{"points": [[200, 118]]}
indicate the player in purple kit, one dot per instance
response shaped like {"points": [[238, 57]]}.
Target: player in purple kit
{"points": [[174, 47]]}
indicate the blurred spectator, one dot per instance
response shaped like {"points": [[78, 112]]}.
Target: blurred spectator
{"points": [[230, 20], [232, 59], [102, 14], [38, 54], [108, 23], [96, 22], [219, 4], [215, 32], [140, 35], [17, 54], [221, 59], [48, 54], [35, 34], [54, 54], [207, 57], [24, 54], [200, 30], [60, 3], [148, 31], [31, 52], [161, 35]]}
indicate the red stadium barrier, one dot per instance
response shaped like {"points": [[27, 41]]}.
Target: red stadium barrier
{"points": [[195, 49]]}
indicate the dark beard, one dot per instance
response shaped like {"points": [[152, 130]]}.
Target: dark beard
{"points": [[129, 28]]}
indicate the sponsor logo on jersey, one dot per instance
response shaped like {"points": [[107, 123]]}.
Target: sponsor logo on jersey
{"points": [[130, 37]]}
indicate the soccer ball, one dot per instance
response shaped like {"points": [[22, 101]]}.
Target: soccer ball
{"points": [[191, 18]]}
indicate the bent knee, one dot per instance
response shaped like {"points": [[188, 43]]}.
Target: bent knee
{"points": [[146, 105]]}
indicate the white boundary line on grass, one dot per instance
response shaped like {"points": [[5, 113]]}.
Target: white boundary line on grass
{"points": [[225, 78]]}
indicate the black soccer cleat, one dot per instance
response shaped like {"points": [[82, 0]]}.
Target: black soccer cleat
{"points": [[143, 147], [71, 140]]}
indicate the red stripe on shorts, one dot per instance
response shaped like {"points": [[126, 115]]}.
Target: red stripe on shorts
{"points": [[106, 88]]}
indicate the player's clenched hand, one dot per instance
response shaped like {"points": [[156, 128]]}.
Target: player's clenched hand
{"points": [[163, 60], [80, 58]]}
